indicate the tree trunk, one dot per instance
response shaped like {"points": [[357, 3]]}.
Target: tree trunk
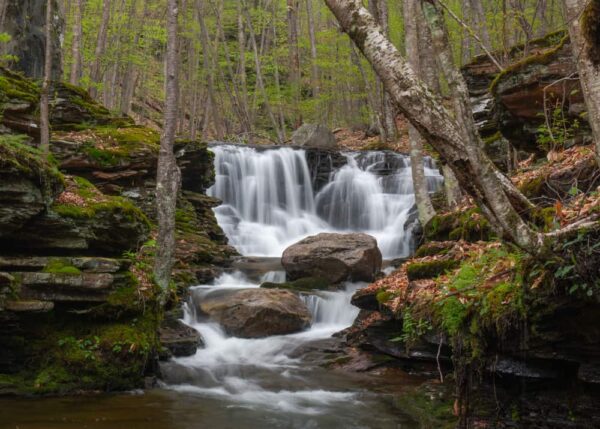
{"points": [[413, 39], [585, 42], [478, 12], [76, 45], [474, 171], [168, 175], [313, 50], [294, 59], [45, 93], [96, 71], [259, 78], [451, 187]]}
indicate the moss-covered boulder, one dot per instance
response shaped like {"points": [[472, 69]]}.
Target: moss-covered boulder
{"points": [[71, 107], [469, 225], [81, 221], [430, 268]]}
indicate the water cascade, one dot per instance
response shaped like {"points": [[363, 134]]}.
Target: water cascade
{"points": [[269, 201]]}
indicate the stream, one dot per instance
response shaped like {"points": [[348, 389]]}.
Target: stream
{"points": [[287, 381]]}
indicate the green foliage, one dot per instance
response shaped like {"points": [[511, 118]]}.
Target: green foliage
{"points": [[556, 130], [61, 266], [6, 58]]}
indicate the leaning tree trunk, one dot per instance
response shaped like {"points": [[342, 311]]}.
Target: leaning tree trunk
{"points": [[584, 29], [45, 93], [168, 175], [426, 112]]}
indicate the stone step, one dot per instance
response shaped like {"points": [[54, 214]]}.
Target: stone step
{"points": [[85, 287], [29, 306], [86, 264]]}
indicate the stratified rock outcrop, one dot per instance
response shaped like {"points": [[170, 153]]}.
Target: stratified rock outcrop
{"points": [[510, 105], [333, 257], [78, 307]]}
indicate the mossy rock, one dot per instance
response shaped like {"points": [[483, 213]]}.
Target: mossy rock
{"points": [[434, 248], [61, 266], [430, 269], [469, 225], [303, 284], [14, 87]]}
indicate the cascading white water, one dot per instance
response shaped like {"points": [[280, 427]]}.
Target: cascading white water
{"points": [[269, 202], [237, 369]]}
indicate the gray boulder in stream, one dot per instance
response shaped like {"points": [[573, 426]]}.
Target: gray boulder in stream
{"points": [[315, 136], [333, 257], [255, 313]]}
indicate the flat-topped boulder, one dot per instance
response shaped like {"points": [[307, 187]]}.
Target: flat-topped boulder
{"points": [[314, 136], [256, 312], [333, 257]]}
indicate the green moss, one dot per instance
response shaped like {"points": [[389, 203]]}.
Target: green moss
{"points": [[534, 187], [433, 248], [429, 269], [384, 296], [61, 266], [469, 225], [96, 203], [493, 138], [110, 145], [429, 405], [14, 86]]}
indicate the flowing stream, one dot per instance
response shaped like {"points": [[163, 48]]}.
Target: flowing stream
{"points": [[270, 200]]}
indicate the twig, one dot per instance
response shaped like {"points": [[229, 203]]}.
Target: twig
{"points": [[437, 358], [472, 34]]}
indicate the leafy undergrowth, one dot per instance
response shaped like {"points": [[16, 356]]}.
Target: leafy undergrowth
{"points": [[81, 199]]}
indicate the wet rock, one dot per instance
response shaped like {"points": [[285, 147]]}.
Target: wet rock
{"points": [[334, 257], [256, 313], [303, 284], [365, 299], [314, 135], [177, 338]]}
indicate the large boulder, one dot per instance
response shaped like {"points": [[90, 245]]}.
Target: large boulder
{"points": [[334, 257], [255, 313], [315, 136]]}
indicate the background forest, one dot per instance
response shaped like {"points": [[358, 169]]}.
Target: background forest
{"points": [[258, 69]]}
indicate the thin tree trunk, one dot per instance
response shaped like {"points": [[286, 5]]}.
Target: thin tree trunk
{"points": [[587, 56], [413, 35], [313, 50], [95, 71], [76, 45], [168, 175], [259, 78], [478, 12], [45, 93], [130, 78], [462, 151], [294, 59]]}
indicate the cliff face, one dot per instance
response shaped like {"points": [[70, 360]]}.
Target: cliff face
{"points": [[78, 307], [24, 21]]}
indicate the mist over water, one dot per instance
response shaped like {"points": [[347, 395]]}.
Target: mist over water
{"points": [[269, 202]]}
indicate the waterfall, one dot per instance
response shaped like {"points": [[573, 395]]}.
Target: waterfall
{"points": [[269, 202]]}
